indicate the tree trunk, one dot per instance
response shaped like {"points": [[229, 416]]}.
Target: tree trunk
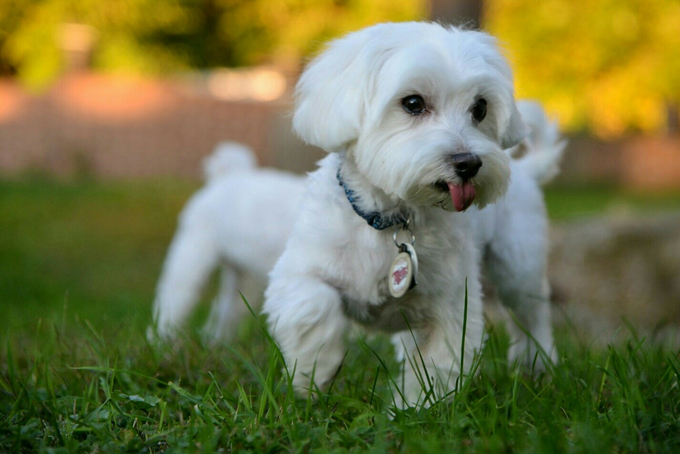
{"points": [[458, 12]]}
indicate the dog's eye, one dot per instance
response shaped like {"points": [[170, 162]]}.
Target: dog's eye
{"points": [[478, 110], [414, 104]]}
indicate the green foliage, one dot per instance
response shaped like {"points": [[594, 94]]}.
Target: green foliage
{"points": [[607, 66], [603, 66], [154, 36]]}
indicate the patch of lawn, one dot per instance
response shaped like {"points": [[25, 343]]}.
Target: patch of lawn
{"points": [[77, 389], [92, 249], [78, 267], [568, 202]]}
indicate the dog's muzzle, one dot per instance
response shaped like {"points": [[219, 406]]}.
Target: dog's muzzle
{"points": [[463, 192]]}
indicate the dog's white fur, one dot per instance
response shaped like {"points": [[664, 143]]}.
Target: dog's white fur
{"points": [[334, 268], [200, 246], [239, 221], [243, 216], [187, 268]]}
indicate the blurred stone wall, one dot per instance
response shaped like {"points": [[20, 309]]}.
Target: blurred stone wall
{"points": [[610, 273], [636, 162], [116, 127], [609, 268]]}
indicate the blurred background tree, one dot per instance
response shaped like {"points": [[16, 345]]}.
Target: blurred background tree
{"points": [[604, 66], [160, 36]]}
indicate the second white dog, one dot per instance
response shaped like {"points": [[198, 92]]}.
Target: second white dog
{"points": [[415, 117], [238, 222]]}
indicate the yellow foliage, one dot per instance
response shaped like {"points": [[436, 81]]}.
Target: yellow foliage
{"points": [[605, 66], [160, 36]]}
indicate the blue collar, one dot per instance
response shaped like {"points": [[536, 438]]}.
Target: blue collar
{"points": [[374, 218]]}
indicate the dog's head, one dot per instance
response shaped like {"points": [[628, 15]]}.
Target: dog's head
{"points": [[423, 110]]}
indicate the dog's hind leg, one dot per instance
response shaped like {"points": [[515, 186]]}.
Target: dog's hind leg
{"points": [[517, 266], [228, 309], [192, 256], [531, 328]]}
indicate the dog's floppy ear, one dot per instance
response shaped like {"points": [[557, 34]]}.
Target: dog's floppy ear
{"points": [[332, 93], [515, 130]]}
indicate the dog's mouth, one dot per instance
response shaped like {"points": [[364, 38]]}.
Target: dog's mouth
{"points": [[462, 195]]}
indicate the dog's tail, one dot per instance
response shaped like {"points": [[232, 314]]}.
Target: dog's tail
{"points": [[228, 157], [541, 151]]}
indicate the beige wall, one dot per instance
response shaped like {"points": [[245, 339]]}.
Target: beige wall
{"points": [[113, 127]]}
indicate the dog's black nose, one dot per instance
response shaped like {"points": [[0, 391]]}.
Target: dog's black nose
{"points": [[466, 164]]}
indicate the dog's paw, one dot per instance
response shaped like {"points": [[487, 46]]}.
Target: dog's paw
{"points": [[531, 357]]}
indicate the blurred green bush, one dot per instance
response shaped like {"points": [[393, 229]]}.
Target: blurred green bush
{"points": [[157, 36], [604, 66]]}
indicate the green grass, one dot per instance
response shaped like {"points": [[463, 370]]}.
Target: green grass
{"points": [[568, 202], [79, 390], [93, 249], [78, 265]]}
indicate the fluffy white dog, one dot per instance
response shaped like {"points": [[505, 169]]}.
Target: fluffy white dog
{"points": [[238, 222], [210, 236], [415, 117]]}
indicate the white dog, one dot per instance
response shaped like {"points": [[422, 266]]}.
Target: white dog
{"points": [[415, 117], [213, 233], [187, 267], [238, 222], [232, 175]]}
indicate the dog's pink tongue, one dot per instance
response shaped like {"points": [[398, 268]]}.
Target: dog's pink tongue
{"points": [[462, 195]]}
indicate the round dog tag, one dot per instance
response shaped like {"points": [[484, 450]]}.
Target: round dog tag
{"points": [[403, 271]]}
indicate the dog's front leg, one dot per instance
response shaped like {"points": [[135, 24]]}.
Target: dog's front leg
{"points": [[434, 356], [307, 321]]}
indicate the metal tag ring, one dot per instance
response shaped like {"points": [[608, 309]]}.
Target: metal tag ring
{"points": [[405, 228]]}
